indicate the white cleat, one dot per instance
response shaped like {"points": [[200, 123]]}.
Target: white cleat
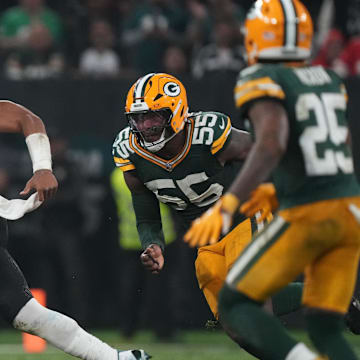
{"points": [[133, 355]]}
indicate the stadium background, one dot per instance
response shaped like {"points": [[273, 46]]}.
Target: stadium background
{"points": [[71, 248]]}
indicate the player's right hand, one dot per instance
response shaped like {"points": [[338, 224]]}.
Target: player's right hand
{"points": [[152, 258], [44, 182]]}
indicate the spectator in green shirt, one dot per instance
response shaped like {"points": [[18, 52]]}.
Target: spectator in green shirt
{"points": [[15, 23]]}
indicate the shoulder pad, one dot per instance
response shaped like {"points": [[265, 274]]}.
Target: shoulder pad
{"points": [[212, 129], [258, 81], [249, 70], [121, 150]]}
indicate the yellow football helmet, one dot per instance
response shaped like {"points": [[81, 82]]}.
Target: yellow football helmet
{"points": [[279, 30], [162, 94]]}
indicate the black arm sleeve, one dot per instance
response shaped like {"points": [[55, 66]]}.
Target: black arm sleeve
{"points": [[148, 219]]}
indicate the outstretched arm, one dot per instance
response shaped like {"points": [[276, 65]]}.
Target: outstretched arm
{"points": [[18, 119], [148, 223]]}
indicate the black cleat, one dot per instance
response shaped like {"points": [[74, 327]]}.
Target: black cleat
{"points": [[212, 325], [352, 318], [133, 355]]}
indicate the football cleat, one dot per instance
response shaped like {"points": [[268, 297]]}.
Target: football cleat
{"points": [[352, 318], [212, 324], [133, 355]]}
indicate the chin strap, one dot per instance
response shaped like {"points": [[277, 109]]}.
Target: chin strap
{"points": [[159, 144]]}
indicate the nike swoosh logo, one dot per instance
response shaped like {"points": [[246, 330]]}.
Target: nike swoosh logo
{"points": [[355, 211], [222, 126]]}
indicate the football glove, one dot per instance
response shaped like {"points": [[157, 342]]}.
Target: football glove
{"points": [[263, 199], [214, 222]]}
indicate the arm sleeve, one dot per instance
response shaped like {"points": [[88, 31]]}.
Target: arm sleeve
{"points": [[148, 219], [222, 135], [254, 86], [121, 151]]}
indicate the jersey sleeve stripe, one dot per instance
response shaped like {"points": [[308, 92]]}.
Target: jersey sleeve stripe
{"points": [[219, 143], [121, 161], [257, 88], [258, 94], [125, 168], [243, 84], [123, 164]]}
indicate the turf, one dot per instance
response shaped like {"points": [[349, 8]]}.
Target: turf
{"points": [[190, 345]]}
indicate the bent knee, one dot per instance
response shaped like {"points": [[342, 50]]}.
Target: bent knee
{"points": [[210, 267], [37, 319]]}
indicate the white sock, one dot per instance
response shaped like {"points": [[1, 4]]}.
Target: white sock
{"points": [[301, 352], [62, 332]]}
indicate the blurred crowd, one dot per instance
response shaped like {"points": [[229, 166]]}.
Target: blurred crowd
{"points": [[111, 38], [42, 39]]}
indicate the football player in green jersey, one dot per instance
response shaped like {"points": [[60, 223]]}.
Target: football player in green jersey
{"points": [[186, 160], [298, 113]]}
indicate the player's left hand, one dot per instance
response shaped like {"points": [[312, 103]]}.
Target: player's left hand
{"points": [[214, 222], [44, 182], [263, 199]]}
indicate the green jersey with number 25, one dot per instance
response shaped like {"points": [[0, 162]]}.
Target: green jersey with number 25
{"points": [[317, 164], [193, 180]]}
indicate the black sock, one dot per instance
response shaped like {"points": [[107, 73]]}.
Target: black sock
{"points": [[325, 331], [247, 320], [287, 299]]}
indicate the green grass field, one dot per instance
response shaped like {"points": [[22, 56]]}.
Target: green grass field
{"points": [[190, 345]]}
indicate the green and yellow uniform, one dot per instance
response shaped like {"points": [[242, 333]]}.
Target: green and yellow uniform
{"points": [[191, 182], [316, 228]]}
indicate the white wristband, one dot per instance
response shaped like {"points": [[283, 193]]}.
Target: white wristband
{"points": [[39, 148]]}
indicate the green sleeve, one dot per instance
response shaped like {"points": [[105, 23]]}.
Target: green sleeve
{"points": [[148, 219]]}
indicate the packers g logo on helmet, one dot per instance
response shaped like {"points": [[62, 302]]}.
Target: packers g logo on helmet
{"points": [[278, 30], [171, 89]]}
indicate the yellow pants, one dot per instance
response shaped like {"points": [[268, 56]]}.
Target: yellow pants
{"points": [[214, 261], [321, 239]]}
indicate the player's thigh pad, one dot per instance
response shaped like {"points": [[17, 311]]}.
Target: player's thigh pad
{"points": [[211, 272], [292, 241], [214, 261], [236, 241], [330, 281]]}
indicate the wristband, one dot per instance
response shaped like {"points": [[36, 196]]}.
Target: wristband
{"points": [[229, 202], [39, 149]]}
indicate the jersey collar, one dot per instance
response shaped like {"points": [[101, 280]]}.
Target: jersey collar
{"points": [[165, 164]]}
